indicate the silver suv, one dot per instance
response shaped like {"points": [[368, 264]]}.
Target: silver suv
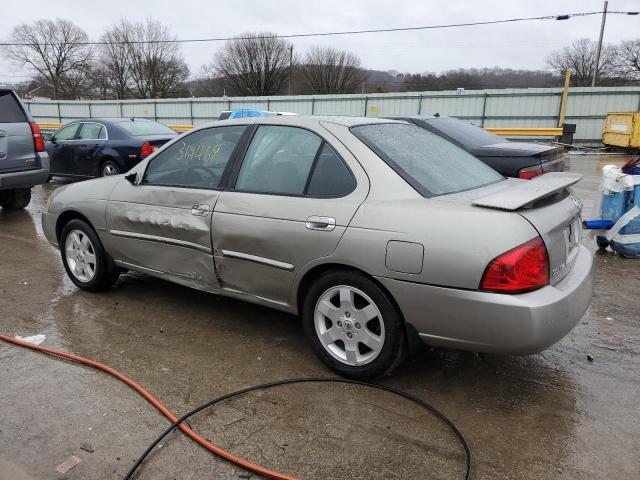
{"points": [[23, 159]]}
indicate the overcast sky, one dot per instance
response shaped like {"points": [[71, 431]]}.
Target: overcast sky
{"points": [[520, 45]]}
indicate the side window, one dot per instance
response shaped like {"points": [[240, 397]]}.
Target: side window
{"points": [[67, 133], [331, 177], [197, 160], [10, 111], [91, 131], [278, 160]]}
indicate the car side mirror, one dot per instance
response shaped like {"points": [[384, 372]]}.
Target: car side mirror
{"points": [[48, 137], [132, 178]]}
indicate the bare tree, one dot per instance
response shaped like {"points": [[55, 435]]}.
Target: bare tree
{"points": [[328, 70], [580, 58], [255, 64], [627, 59], [113, 61], [101, 82], [155, 65], [55, 49], [207, 84]]}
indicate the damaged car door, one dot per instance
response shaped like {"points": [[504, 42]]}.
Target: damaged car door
{"points": [[286, 206], [161, 221]]}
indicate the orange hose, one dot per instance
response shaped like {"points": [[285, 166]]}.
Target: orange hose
{"points": [[156, 403]]}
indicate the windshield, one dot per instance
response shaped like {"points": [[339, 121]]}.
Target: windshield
{"points": [[429, 163], [464, 133], [145, 127]]}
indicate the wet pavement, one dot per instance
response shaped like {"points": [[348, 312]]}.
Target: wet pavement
{"points": [[551, 415]]}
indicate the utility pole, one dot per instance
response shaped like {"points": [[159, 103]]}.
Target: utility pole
{"points": [[290, 65], [597, 64]]}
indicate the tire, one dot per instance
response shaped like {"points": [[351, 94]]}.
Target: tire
{"points": [[109, 168], [16, 199], [368, 338], [602, 242], [84, 259]]}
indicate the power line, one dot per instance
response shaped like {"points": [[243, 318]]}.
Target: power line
{"points": [[348, 32]]}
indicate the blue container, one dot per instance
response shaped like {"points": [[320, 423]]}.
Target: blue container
{"points": [[628, 250], [635, 198], [614, 205]]}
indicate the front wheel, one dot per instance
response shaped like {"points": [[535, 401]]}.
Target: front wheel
{"points": [[353, 326], [84, 259]]}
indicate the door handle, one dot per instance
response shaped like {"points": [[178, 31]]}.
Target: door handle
{"points": [[199, 210], [326, 224]]}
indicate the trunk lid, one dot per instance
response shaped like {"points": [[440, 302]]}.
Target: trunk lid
{"points": [[520, 149], [158, 140], [548, 205], [550, 158]]}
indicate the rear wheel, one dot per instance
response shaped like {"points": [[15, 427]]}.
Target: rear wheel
{"points": [[352, 325], [15, 199], [84, 259], [109, 168]]}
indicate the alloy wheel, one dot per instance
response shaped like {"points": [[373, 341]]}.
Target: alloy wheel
{"points": [[80, 255], [349, 325], [109, 169]]}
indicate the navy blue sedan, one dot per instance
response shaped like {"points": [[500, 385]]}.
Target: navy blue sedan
{"points": [[98, 147]]}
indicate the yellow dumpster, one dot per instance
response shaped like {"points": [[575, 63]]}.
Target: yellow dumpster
{"points": [[622, 129]]}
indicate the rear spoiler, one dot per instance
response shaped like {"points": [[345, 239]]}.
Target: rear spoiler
{"points": [[529, 191]]}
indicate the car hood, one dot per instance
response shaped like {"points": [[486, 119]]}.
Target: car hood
{"points": [[516, 149]]}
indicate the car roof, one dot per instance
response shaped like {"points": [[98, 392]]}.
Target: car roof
{"points": [[422, 117], [108, 120], [303, 120]]}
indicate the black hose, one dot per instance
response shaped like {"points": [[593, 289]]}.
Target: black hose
{"points": [[395, 391]]}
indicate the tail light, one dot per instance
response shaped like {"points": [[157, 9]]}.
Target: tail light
{"points": [[530, 172], [38, 141], [522, 269], [147, 149]]}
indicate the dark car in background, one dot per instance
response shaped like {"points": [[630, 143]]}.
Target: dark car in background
{"points": [[99, 147], [23, 159], [511, 159]]}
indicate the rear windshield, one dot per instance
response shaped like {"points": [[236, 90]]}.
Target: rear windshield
{"points": [[145, 127], [464, 133], [429, 163], [10, 111]]}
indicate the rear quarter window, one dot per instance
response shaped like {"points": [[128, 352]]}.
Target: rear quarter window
{"points": [[330, 177], [10, 109], [429, 163]]}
